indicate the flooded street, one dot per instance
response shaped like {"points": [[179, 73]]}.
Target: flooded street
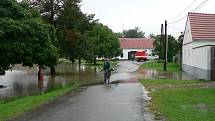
{"points": [[24, 81]]}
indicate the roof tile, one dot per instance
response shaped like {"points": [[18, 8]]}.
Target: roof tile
{"points": [[136, 43], [202, 26]]}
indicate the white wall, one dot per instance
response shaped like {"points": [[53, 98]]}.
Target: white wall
{"points": [[125, 52], [198, 43], [202, 55], [198, 54], [187, 33], [187, 45], [187, 54], [201, 58]]}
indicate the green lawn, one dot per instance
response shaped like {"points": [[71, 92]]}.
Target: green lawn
{"points": [[178, 100], [171, 67], [9, 109]]}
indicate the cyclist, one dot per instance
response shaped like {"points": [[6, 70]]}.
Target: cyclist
{"points": [[106, 68]]}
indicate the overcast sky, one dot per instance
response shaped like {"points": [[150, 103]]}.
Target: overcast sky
{"points": [[146, 14]]}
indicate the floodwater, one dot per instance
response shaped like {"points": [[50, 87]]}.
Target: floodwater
{"points": [[22, 81], [154, 74]]}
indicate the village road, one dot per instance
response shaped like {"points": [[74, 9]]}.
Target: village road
{"points": [[122, 101]]}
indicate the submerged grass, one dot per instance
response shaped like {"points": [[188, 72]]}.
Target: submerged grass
{"points": [[177, 100]]}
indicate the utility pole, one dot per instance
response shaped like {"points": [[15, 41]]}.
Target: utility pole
{"points": [[161, 43], [165, 46]]}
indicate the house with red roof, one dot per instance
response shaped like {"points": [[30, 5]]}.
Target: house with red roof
{"points": [[199, 46], [130, 46]]}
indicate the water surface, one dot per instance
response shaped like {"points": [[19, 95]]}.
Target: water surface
{"points": [[22, 81]]}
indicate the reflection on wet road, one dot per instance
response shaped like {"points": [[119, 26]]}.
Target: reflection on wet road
{"points": [[122, 102], [154, 74], [126, 70], [108, 102]]}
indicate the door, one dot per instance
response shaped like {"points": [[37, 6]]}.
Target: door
{"points": [[213, 63], [131, 55]]}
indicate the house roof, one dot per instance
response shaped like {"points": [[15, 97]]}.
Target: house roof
{"points": [[136, 43], [202, 26]]}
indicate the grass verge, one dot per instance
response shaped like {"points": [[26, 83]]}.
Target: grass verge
{"points": [[179, 100], [171, 67], [9, 109]]}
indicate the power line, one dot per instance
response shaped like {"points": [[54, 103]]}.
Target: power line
{"points": [[200, 6], [183, 10], [194, 10], [175, 28], [178, 20]]}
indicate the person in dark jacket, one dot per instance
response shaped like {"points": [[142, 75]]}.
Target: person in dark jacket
{"points": [[106, 68]]}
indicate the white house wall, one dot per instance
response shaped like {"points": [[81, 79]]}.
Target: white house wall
{"points": [[197, 58], [202, 55], [201, 58], [187, 33], [126, 51], [187, 49], [187, 54], [196, 55]]}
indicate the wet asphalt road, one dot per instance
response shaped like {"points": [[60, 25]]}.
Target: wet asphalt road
{"points": [[114, 102]]}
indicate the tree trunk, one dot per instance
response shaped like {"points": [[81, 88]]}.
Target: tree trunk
{"points": [[40, 79], [79, 60], [94, 61], [52, 11], [40, 74], [52, 69], [73, 60]]}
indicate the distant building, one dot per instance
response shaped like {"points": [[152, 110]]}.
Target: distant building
{"points": [[129, 46], [199, 46]]}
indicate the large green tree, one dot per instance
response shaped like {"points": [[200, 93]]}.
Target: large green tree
{"points": [[158, 44], [104, 42], [173, 47], [180, 41], [24, 38], [49, 9], [73, 25], [133, 33], [76, 31]]}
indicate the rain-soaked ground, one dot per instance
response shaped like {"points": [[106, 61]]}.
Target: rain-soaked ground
{"points": [[107, 102], [123, 100]]}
